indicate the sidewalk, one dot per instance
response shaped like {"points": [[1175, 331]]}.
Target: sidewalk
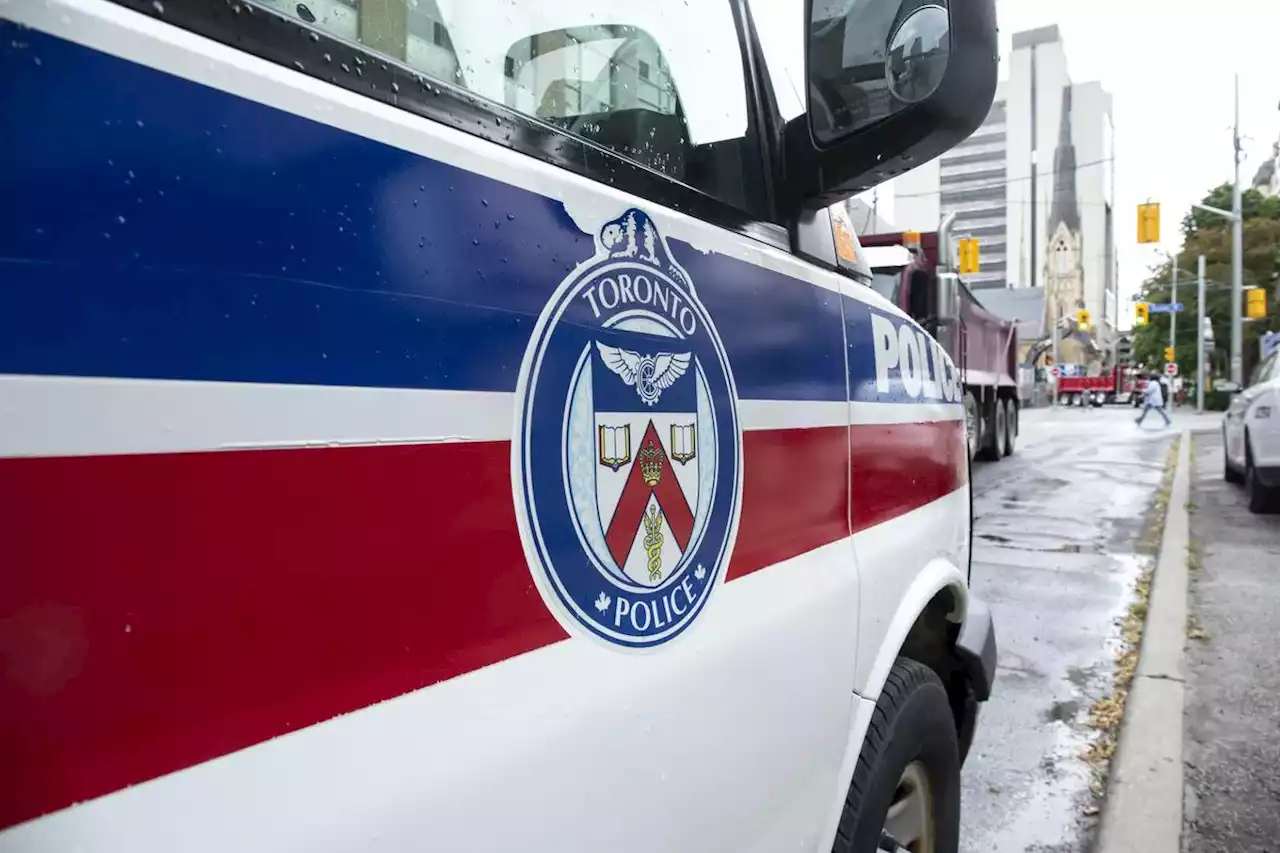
{"points": [[1198, 765], [1232, 735]]}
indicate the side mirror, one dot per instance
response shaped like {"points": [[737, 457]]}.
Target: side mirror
{"points": [[891, 84]]}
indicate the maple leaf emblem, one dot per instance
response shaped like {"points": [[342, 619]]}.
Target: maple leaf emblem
{"points": [[700, 572], [602, 602]]}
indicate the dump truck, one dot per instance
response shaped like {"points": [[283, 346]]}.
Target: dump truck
{"points": [[917, 272]]}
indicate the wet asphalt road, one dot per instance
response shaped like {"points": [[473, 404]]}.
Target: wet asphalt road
{"points": [[1059, 541], [1231, 740]]}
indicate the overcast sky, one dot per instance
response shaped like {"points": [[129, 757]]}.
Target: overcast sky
{"points": [[1169, 68]]}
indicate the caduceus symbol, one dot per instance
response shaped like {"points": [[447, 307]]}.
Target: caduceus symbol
{"points": [[653, 543], [650, 374]]}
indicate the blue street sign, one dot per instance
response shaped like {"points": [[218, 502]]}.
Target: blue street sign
{"points": [[1270, 341], [1164, 307]]}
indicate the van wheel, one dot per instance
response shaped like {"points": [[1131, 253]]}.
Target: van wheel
{"points": [[907, 781], [1010, 426]]}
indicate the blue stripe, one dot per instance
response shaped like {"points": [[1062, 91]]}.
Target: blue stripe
{"points": [[156, 228]]}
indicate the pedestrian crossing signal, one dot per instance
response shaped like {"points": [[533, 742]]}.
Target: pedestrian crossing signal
{"points": [[1141, 314], [1168, 354], [1149, 222], [1082, 321]]}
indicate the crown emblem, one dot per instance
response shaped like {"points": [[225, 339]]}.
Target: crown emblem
{"points": [[650, 459]]}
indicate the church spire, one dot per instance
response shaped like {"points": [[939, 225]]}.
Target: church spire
{"points": [[1064, 208]]}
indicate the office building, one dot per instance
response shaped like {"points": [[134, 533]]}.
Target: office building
{"points": [[1048, 226]]}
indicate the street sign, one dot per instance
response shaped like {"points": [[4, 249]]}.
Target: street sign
{"points": [[1055, 371], [1171, 368], [1164, 307]]}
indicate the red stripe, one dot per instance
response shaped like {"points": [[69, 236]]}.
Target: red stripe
{"points": [[899, 467], [158, 611]]}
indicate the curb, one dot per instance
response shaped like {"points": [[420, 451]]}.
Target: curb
{"points": [[1143, 812]]}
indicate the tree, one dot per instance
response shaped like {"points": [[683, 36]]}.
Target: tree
{"points": [[1210, 235]]}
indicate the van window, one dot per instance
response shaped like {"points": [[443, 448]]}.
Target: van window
{"points": [[634, 78]]}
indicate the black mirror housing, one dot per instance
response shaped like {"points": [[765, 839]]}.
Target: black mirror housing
{"points": [[891, 84]]}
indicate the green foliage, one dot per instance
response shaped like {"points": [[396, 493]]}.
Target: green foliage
{"points": [[1210, 235], [1217, 401]]}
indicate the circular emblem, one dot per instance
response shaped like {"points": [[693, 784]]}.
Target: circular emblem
{"points": [[627, 458]]}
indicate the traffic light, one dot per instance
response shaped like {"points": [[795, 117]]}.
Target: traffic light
{"points": [[1082, 321], [1149, 222], [968, 254], [1141, 314], [1168, 353], [1256, 306]]}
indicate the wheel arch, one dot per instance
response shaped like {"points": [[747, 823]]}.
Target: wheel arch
{"points": [[934, 606], [926, 623]]}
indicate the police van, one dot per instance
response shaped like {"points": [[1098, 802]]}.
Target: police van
{"points": [[458, 425]]}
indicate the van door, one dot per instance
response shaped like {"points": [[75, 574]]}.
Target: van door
{"points": [[449, 469]]}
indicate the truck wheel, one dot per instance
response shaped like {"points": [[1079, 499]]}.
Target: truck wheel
{"points": [[1000, 441], [972, 424], [907, 781], [990, 424], [1010, 426]]}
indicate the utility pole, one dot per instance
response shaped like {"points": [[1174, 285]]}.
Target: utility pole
{"points": [[1173, 301], [1199, 333], [1237, 250]]}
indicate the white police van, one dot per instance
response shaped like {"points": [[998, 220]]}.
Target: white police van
{"points": [[459, 426]]}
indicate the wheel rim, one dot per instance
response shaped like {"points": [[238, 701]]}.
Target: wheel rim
{"points": [[910, 817]]}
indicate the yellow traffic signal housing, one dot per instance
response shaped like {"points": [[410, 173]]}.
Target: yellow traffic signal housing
{"points": [[1168, 353], [1149, 222], [968, 255], [1256, 305], [1141, 314], [1082, 321]]}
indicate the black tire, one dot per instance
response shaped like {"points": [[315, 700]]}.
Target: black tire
{"points": [[1231, 475], [912, 722], [1258, 496], [989, 438], [1010, 426], [1000, 432]]}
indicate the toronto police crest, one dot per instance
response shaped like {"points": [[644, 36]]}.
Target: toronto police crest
{"points": [[627, 459]]}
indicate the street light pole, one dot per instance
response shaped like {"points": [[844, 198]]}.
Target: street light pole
{"points": [[1199, 334], [1237, 250], [1173, 300]]}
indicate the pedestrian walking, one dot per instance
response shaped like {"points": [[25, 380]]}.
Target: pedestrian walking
{"points": [[1153, 398]]}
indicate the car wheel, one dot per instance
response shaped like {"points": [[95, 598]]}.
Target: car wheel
{"points": [[907, 781], [1010, 426], [1256, 494], [1231, 475]]}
